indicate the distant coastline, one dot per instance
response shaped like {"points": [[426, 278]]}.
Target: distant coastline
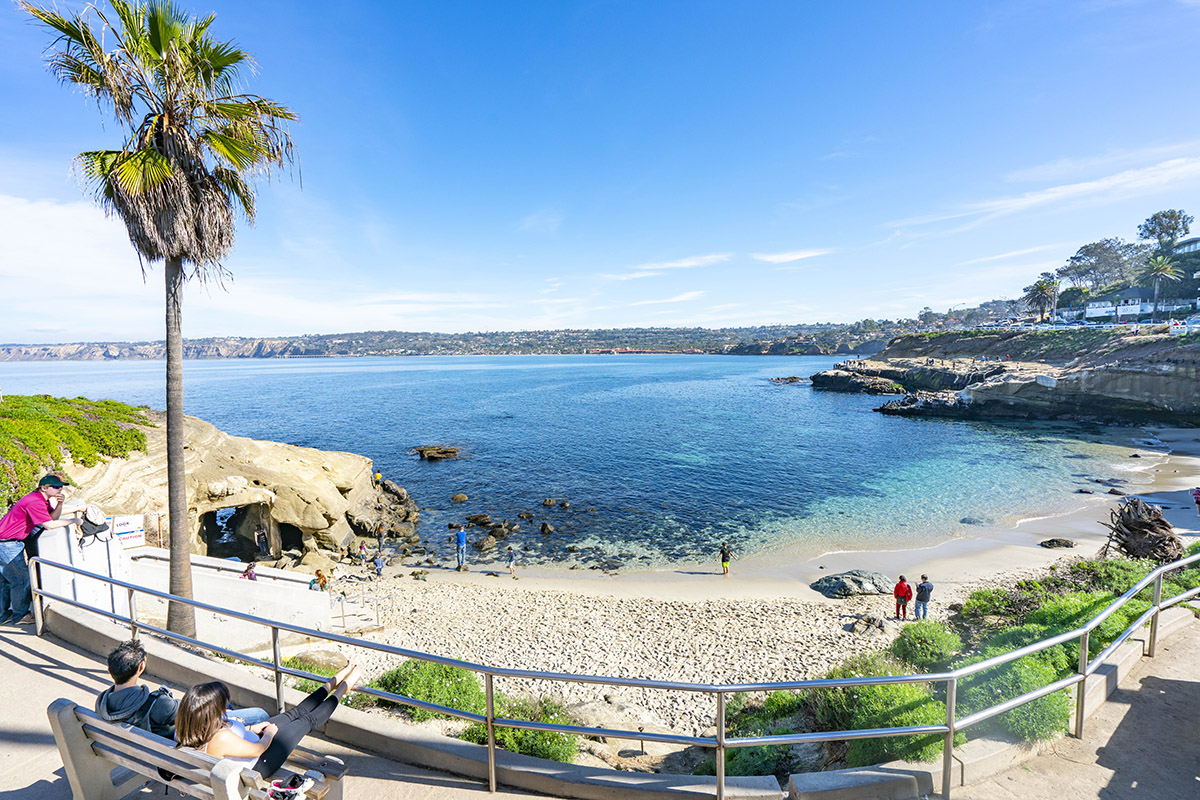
{"points": [[823, 339]]}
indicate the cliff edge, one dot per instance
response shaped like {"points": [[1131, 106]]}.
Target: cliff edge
{"points": [[1088, 374]]}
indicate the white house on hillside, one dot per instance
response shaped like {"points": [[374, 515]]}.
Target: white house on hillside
{"points": [[1133, 303]]}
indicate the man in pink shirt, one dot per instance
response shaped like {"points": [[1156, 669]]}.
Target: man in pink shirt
{"points": [[29, 512]]}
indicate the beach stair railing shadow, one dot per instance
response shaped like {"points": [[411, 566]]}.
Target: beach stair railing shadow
{"points": [[719, 743]]}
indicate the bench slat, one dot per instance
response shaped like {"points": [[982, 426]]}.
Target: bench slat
{"points": [[188, 784]]}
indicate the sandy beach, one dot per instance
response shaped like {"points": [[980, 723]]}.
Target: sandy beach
{"points": [[760, 623]]}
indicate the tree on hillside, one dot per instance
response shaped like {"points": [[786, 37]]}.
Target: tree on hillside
{"points": [[1074, 296], [192, 144], [1166, 228], [1100, 263], [1042, 294], [1155, 271]]}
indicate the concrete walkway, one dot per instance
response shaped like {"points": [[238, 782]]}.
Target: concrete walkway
{"points": [[38, 671], [1143, 744]]}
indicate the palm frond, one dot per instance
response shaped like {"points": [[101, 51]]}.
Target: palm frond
{"points": [[241, 152], [236, 187], [141, 171]]}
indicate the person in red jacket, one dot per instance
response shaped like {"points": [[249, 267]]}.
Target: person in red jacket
{"points": [[903, 593]]}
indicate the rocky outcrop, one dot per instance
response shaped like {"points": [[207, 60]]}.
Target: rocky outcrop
{"points": [[840, 380], [1123, 378], [326, 497]]}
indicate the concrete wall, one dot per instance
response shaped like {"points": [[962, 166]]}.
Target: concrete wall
{"points": [[276, 595]]}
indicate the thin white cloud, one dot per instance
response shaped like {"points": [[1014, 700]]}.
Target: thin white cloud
{"points": [[1122, 186], [1064, 169], [655, 268], [546, 220], [629, 276], [793, 255], [1013, 254], [681, 298]]}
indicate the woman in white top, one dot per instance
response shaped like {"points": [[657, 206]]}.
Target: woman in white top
{"points": [[200, 723]]}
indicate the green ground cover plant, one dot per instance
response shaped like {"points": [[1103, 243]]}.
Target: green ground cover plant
{"points": [[38, 431], [927, 645], [454, 687], [541, 744]]}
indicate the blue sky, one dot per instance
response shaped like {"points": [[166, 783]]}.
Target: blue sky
{"points": [[499, 166]]}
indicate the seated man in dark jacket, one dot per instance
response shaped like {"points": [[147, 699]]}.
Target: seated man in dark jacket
{"points": [[131, 702]]}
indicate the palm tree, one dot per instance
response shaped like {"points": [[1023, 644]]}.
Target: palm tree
{"points": [[193, 142], [1042, 295], [1157, 269]]}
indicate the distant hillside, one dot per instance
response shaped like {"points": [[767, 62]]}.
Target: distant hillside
{"points": [[760, 340]]}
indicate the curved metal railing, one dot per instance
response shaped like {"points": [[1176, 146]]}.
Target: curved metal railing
{"points": [[720, 743]]}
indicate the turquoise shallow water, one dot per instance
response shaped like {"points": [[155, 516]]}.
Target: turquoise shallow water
{"points": [[674, 453]]}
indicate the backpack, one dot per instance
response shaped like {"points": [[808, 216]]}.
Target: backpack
{"points": [[141, 717]]}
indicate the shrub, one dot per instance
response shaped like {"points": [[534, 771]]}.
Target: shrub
{"points": [[540, 744], [454, 687], [1192, 549], [774, 760], [833, 708], [985, 602], [927, 644], [781, 704], [889, 706], [1061, 658], [1039, 719]]}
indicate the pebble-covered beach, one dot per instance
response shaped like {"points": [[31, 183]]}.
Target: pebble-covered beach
{"points": [[711, 641]]}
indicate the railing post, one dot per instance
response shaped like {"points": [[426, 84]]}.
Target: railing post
{"points": [[491, 731], [1154, 619], [278, 674], [720, 761], [948, 747], [39, 602], [133, 626], [1081, 690]]}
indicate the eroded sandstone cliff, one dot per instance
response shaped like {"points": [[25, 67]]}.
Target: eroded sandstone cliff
{"points": [[322, 498]]}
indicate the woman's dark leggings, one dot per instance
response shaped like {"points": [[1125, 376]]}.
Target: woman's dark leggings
{"points": [[294, 724]]}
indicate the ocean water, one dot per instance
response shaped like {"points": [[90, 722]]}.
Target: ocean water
{"points": [[661, 457]]}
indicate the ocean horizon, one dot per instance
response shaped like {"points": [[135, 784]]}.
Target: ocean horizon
{"points": [[661, 457]]}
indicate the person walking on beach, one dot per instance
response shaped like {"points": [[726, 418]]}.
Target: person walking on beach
{"points": [[31, 512], [512, 563], [726, 556], [459, 537], [378, 564], [903, 593], [1196, 497], [362, 552], [924, 592]]}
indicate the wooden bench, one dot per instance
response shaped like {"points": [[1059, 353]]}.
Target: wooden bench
{"points": [[107, 761]]}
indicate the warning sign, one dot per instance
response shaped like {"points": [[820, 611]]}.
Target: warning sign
{"points": [[130, 530]]}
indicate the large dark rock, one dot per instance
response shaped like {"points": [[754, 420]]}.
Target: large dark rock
{"points": [[1054, 543], [855, 581]]}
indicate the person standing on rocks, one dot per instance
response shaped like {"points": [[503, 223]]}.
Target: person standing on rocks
{"points": [[378, 564], [31, 512], [260, 539], [459, 537], [903, 593], [726, 556], [924, 592]]}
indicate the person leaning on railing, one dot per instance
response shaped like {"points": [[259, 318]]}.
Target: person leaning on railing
{"points": [[22, 521]]}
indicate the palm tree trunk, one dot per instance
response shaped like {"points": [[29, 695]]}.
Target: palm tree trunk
{"points": [[180, 618], [1154, 316]]}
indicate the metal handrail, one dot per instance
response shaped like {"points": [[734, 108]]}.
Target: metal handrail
{"points": [[720, 743]]}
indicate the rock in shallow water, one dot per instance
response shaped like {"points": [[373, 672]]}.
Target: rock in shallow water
{"points": [[855, 581], [1053, 543]]}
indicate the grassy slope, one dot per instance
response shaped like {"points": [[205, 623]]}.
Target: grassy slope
{"points": [[1050, 346], [37, 431]]}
